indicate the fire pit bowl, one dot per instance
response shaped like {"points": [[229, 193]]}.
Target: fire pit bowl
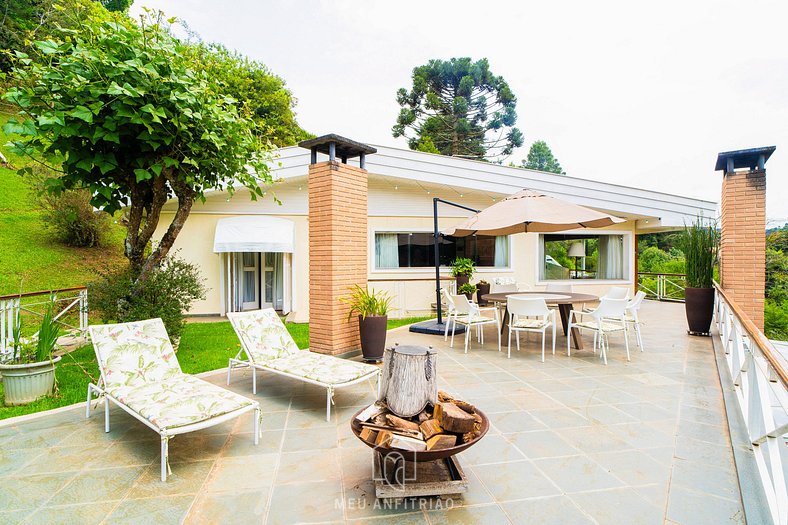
{"points": [[426, 455]]}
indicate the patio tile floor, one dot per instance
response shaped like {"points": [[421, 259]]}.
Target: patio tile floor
{"points": [[571, 441]]}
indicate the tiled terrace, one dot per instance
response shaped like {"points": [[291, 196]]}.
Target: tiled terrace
{"points": [[572, 441]]}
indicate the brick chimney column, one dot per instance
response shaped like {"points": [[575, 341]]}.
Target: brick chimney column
{"points": [[338, 235], [743, 240]]}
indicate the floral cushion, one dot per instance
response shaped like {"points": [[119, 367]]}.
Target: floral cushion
{"points": [[324, 369], [263, 335], [179, 400], [606, 327], [134, 354], [529, 323]]}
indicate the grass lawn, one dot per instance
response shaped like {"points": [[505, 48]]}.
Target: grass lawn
{"points": [[30, 258], [204, 347]]}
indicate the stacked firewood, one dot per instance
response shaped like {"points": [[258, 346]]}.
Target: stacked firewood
{"points": [[450, 422]]}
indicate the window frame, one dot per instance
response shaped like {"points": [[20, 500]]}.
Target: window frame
{"points": [[420, 269], [628, 237]]}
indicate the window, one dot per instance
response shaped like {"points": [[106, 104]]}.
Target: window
{"points": [[582, 257], [416, 250]]}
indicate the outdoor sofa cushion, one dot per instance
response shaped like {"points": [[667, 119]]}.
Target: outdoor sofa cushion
{"points": [[180, 400], [264, 336], [324, 369], [141, 371]]}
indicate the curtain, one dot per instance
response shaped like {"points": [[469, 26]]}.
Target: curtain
{"points": [[278, 281], [386, 250], [611, 257], [287, 283], [501, 251]]}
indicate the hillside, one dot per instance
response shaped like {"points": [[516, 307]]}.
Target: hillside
{"points": [[30, 259]]}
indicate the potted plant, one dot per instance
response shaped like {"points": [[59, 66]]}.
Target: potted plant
{"points": [[372, 310], [31, 372], [462, 270], [467, 289], [699, 242], [483, 289]]}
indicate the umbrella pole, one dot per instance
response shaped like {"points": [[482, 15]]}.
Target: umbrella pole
{"points": [[436, 239]]}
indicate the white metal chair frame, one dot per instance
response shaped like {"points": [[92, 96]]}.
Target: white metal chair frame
{"points": [[452, 316], [164, 433], [238, 362], [632, 316], [469, 314], [523, 307], [451, 312], [608, 317]]}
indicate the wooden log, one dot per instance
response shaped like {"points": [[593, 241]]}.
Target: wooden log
{"points": [[368, 434], [384, 438], [443, 396], [453, 419], [430, 427], [424, 415], [402, 423], [392, 430], [465, 406], [470, 436], [371, 411], [441, 441], [407, 443]]}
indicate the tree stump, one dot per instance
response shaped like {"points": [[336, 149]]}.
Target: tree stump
{"points": [[410, 379]]}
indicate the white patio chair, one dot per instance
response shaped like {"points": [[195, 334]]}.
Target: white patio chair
{"points": [[269, 346], [504, 288], [450, 313], [469, 314], [607, 318], [632, 316], [617, 292], [140, 374], [529, 315]]}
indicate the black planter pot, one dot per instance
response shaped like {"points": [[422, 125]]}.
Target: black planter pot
{"points": [[482, 289], [462, 279], [699, 306], [372, 330]]}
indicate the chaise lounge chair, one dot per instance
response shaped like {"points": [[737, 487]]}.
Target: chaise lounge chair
{"points": [[269, 346], [140, 374]]}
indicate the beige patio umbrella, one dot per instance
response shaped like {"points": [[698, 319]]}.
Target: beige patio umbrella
{"points": [[531, 211]]}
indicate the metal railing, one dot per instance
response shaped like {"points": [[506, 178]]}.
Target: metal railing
{"points": [[760, 380], [71, 312], [663, 286]]}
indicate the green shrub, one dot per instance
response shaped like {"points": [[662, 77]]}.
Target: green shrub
{"points": [[776, 320], [72, 219], [167, 293], [463, 266]]}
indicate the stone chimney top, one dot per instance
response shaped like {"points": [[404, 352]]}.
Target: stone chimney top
{"points": [[335, 146], [754, 158]]}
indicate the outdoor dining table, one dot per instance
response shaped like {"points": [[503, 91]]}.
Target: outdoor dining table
{"points": [[564, 301]]}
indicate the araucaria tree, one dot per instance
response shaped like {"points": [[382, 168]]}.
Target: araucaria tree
{"points": [[120, 108], [540, 157], [458, 107]]}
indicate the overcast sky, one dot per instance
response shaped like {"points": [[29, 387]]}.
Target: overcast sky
{"points": [[625, 92]]}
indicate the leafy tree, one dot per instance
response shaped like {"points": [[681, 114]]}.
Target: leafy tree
{"points": [[22, 21], [120, 107], [259, 94], [540, 157], [459, 108]]}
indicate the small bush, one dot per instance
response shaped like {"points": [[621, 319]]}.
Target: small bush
{"points": [[776, 320], [69, 214], [167, 293], [73, 220]]}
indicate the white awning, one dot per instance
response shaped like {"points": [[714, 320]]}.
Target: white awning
{"points": [[254, 233]]}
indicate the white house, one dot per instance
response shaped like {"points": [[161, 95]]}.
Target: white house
{"points": [[256, 253]]}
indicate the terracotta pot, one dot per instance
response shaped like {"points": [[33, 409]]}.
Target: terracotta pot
{"points": [[372, 330], [699, 306], [482, 289]]}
